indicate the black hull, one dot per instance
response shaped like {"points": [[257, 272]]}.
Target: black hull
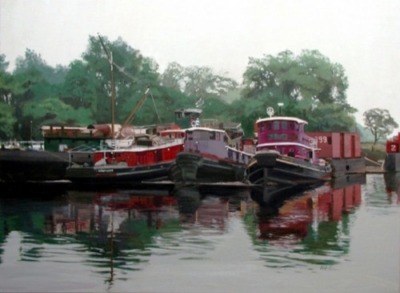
{"points": [[392, 181], [21, 166], [193, 167], [276, 175], [105, 175], [392, 162], [270, 168], [38, 166]]}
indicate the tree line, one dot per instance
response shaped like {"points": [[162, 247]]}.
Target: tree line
{"points": [[309, 86]]}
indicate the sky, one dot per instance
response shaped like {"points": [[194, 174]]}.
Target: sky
{"points": [[361, 35]]}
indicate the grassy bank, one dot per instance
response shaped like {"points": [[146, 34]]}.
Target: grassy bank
{"points": [[376, 152]]}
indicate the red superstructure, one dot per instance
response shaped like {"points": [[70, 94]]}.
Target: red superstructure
{"points": [[393, 144], [146, 151], [285, 135]]}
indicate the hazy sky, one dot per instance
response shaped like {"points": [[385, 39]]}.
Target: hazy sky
{"points": [[361, 35]]}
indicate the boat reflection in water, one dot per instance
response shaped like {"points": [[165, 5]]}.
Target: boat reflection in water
{"points": [[112, 234], [210, 209], [308, 227], [392, 182], [116, 231], [115, 228]]}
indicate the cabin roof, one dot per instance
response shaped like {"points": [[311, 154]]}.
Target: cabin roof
{"points": [[206, 129], [280, 118], [172, 130]]}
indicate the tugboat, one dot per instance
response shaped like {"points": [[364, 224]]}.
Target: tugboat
{"points": [[285, 158], [211, 155], [148, 158]]}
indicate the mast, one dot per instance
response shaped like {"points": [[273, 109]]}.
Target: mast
{"points": [[110, 60], [112, 96]]}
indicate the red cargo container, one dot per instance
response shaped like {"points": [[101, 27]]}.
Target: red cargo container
{"points": [[336, 145]]}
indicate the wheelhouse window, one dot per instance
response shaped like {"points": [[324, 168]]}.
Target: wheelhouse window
{"points": [[276, 125], [284, 125], [268, 125], [291, 125]]}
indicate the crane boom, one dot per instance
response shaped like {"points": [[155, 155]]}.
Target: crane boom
{"points": [[138, 105]]}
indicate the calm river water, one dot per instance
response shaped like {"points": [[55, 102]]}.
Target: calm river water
{"points": [[340, 239]]}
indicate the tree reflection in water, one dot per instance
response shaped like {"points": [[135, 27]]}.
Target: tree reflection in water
{"points": [[115, 232]]}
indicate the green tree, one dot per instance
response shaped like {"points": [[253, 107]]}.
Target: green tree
{"points": [[129, 86], [33, 83], [199, 82], [7, 114], [5, 81], [173, 77], [379, 122], [307, 85], [80, 90], [7, 121], [32, 60]]}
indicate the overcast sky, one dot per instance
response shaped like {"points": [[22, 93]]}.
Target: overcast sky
{"points": [[361, 35]]}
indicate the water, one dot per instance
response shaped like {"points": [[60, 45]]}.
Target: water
{"points": [[340, 240]]}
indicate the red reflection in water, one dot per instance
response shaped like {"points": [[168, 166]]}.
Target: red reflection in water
{"points": [[292, 221]]}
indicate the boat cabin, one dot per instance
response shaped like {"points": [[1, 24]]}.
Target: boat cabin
{"points": [[186, 118], [285, 135], [214, 142], [147, 149], [206, 140]]}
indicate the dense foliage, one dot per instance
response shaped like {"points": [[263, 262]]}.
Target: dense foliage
{"points": [[36, 94]]}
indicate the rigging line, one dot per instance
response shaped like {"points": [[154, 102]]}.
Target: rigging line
{"points": [[155, 107], [110, 60], [124, 72]]}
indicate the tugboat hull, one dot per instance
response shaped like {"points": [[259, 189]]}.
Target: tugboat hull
{"points": [[277, 174], [24, 166], [194, 167], [392, 162]]}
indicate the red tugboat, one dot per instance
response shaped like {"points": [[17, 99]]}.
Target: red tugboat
{"points": [[148, 158], [392, 160], [286, 157]]}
